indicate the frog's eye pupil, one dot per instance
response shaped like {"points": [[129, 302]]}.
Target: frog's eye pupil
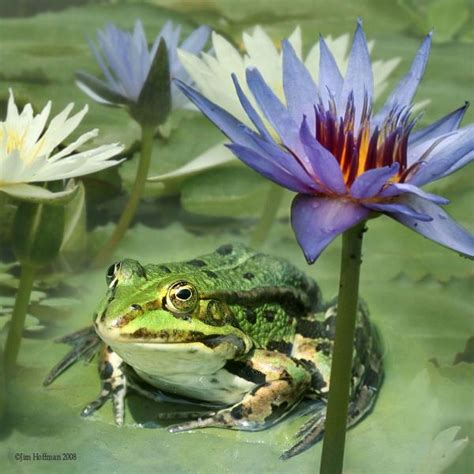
{"points": [[181, 297], [184, 294]]}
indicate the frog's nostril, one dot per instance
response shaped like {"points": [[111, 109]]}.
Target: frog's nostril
{"points": [[135, 307]]}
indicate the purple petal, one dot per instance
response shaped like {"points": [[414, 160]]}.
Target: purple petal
{"points": [[301, 92], [102, 65], [317, 221], [116, 46], [359, 78], [250, 111], [268, 168], [420, 151], [285, 160], [399, 209], [442, 229], [196, 41], [330, 78], [325, 166], [452, 154], [395, 189], [226, 122], [406, 88], [370, 183], [273, 110], [442, 126]]}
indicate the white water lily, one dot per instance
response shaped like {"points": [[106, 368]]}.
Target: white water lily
{"points": [[29, 152], [212, 76]]}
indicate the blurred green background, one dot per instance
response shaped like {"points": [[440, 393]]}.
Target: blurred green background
{"points": [[420, 294]]}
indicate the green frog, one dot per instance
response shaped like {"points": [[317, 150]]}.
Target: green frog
{"points": [[244, 334]]}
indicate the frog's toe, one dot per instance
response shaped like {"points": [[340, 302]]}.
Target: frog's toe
{"points": [[208, 421], [85, 345], [309, 434], [308, 426], [96, 404], [110, 391]]}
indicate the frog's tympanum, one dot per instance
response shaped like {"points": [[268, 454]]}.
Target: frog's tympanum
{"points": [[239, 331]]}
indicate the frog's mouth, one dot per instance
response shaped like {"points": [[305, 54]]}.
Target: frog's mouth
{"points": [[188, 341], [161, 329]]}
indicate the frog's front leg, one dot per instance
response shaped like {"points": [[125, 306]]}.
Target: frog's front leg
{"points": [[284, 383], [113, 385]]}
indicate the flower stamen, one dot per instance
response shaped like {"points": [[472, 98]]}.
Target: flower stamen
{"points": [[356, 146]]}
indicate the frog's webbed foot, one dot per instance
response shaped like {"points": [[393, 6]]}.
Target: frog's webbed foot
{"points": [[113, 386], [85, 345], [313, 430], [308, 435]]}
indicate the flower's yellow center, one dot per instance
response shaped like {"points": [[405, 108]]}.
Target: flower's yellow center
{"points": [[16, 141]]}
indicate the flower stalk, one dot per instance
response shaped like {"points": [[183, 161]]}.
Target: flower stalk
{"points": [[341, 368], [128, 213], [267, 218], [17, 323]]}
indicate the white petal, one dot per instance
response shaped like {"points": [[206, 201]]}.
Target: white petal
{"points": [[60, 128], [225, 52], [296, 41], [74, 145], [12, 109]]}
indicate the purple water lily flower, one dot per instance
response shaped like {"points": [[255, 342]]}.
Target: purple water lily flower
{"points": [[125, 60], [345, 162]]}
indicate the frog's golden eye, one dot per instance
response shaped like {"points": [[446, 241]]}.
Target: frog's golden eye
{"points": [[182, 297]]}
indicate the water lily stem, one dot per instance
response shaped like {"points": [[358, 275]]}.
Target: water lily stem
{"points": [[268, 216], [17, 322], [341, 369], [3, 386], [133, 200]]}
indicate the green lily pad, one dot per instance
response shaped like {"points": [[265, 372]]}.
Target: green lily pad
{"points": [[191, 134], [230, 191], [419, 319]]}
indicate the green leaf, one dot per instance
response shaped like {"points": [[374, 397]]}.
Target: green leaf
{"points": [[75, 224], [233, 191], [419, 320], [192, 135], [38, 232]]}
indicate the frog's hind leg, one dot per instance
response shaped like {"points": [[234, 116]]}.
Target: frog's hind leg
{"points": [[284, 385], [313, 430], [113, 385], [367, 377]]}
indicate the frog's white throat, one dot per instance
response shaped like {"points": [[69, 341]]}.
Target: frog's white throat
{"points": [[187, 369]]}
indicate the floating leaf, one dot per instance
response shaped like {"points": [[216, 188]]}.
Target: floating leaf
{"points": [[225, 192]]}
